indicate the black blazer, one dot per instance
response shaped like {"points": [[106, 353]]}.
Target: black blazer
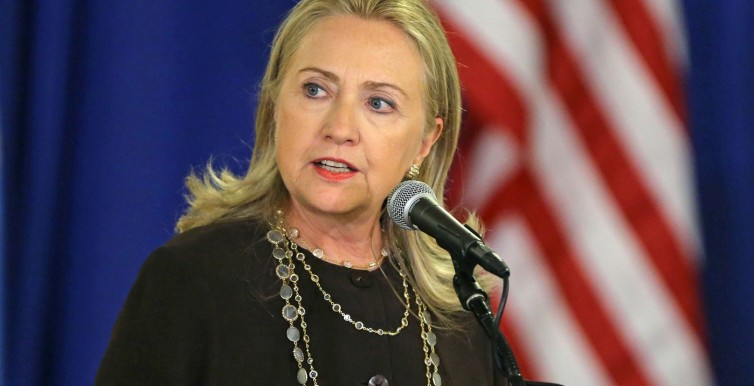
{"points": [[205, 310]]}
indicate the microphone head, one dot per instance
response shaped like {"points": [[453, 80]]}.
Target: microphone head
{"points": [[402, 199]]}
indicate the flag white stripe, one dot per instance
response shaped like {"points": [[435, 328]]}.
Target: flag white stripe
{"points": [[492, 160], [538, 311], [637, 302], [505, 31], [649, 129], [668, 15]]}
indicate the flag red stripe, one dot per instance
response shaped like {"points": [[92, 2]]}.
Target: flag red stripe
{"points": [[489, 89], [644, 33], [618, 172], [524, 196]]}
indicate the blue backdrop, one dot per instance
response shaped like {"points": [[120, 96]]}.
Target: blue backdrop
{"points": [[107, 105], [721, 105]]}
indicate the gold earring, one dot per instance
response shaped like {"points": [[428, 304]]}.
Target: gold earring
{"points": [[413, 171]]}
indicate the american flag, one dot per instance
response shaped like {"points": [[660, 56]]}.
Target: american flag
{"points": [[576, 154]]}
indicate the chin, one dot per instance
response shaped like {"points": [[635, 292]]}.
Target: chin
{"points": [[339, 207]]}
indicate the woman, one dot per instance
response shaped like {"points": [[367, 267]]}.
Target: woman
{"points": [[294, 272]]}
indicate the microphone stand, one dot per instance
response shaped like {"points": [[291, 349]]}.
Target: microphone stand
{"points": [[474, 299]]}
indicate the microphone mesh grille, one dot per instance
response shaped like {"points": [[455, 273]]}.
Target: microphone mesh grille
{"points": [[401, 197]]}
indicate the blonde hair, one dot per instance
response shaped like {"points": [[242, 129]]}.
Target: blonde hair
{"points": [[223, 196]]}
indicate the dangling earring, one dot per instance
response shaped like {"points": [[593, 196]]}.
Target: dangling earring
{"points": [[413, 171]]}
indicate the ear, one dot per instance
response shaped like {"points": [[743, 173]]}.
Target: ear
{"points": [[429, 139]]}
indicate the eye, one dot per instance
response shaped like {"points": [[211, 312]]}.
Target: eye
{"points": [[381, 105], [313, 90]]}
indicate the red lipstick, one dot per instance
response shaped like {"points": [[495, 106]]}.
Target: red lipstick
{"points": [[334, 169]]}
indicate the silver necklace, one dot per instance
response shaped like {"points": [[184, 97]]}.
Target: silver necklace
{"points": [[294, 312]]}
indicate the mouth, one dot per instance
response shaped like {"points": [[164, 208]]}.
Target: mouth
{"points": [[334, 166], [334, 170]]}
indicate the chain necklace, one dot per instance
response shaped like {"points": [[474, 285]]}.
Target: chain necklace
{"points": [[320, 254], [347, 317], [294, 312]]}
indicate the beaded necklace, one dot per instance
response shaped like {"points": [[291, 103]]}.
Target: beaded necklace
{"points": [[320, 254], [293, 311]]}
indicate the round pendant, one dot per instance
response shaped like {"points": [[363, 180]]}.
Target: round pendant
{"points": [[436, 379], [282, 271], [302, 377], [289, 313], [435, 359], [293, 334], [431, 338], [298, 354], [274, 236], [286, 292], [278, 253]]}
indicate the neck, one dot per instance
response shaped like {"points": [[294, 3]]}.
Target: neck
{"points": [[355, 239]]}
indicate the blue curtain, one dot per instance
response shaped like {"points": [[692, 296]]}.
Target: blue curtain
{"points": [[721, 105], [107, 105]]}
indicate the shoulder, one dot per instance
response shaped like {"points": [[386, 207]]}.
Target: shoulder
{"points": [[221, 237], [183, 289], [231, 248]]}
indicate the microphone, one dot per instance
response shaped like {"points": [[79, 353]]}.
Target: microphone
{"points": [[413, 205]]}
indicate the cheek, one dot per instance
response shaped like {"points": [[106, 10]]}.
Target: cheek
{"points": [[285, 144], [397, 153], [286, 112], [289, 129]]}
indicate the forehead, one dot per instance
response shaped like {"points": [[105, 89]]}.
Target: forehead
{"points": [[375, 50]]}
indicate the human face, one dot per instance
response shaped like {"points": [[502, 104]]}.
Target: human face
{"points": [[350, 116]]}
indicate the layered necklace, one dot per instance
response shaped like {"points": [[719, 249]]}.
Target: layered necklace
{"points": [[285, 250]]}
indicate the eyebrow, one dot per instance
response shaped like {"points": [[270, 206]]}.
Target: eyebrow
{"points": [[376, 85], [369, 84], [327, 74]]}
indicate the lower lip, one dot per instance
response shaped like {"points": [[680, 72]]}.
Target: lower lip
{"points": [[333, 176]]}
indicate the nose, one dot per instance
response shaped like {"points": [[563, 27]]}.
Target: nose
{"points": [[341, 124]]}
